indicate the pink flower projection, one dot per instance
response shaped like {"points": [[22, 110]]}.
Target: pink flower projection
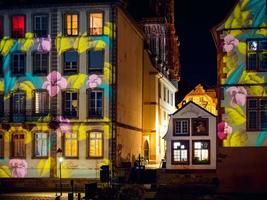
{"points": [[230, 42], [55, 82], [223, 130], [19, 168], [238, 94], [43, 44], [64, 124], [93, 81]]}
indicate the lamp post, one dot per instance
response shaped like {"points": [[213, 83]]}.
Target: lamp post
{"points": [[60, 159]]}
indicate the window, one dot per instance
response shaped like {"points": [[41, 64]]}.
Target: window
{"points": [[18, 26], [1, 27], [257, 55], [95, 104], [18, 63], [201, 152], [95, 61], [71, 24], [18, 102], [171, 99], [164, 93], [168, 96], [40, 63], [1, 66], [40, 145], [200, 126], [70, 62], [41, 102], [71, 145], [96, 23], [1, 145], [180, 152], [257, 114], [2, 104], [18, 145], [40, 25], [181, 127], [95, 144], [70, 104]]}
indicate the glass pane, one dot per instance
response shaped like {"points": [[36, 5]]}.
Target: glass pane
{"points": [[96, 59], [252, 103], [252, 120], [263, 120], [263, 104], [252, 45], [263, 45], [96, 23], [263, 61], [252, 61]]}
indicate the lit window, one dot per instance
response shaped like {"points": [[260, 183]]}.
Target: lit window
{"points": [[71, 24], [1, 27], [96, 23], [180, 152], [70, 104], [257, 55], [181, 127], [95, 104], [41, 102], [18, 145], [71, 145], [95, 61], [257, 114], [201, 152], [18, 63], [70, 62], [18, 26], [95, 144], [40, 145], [1, 145], [40, 63], [40, 25]]}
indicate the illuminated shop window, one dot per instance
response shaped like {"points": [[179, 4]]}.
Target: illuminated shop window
{"points": [[95, 142], [1, 66], [257, 114], [18, 26], [40, 145], [95, 103], [70, 62], [70, 104], [201, 151], [40, 25], [96, 23], [18, 102], [200, 126], [40, 63], [18, 145], [181, 127], [41, 102], [1, 27], [95, 61], [18, 63], [257, 55], [71, 24], [180, 152], [1, 145], [71, 145]]}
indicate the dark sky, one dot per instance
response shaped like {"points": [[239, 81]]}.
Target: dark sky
{"points": [[194, 20]]}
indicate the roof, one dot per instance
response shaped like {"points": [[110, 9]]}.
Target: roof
{"points": [[191, 102]]}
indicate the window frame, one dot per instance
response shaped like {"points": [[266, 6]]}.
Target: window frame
{"points": [[64, 145], [13, 146], [193, 148], [2, 144], [185, 142], [65, 29], [11, 26], [34, 102], [88, 144], [89, 22], [64, 113], [88, 103], [193, 129], [95, 70], [188, 126], [71, 71], [12, 63], [12, 101], [34, 156], [34, 27], [34, 71]]}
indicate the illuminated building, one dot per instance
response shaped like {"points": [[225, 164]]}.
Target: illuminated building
{"points": [[241, 41]]}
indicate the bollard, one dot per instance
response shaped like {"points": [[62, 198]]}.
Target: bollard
{"points": [[79, 196], [70, 196]]}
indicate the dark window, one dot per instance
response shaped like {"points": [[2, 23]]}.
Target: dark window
{"points": [[40, 25], [180, 152], [40, 63], [70, 104], [200, 126], [95, 104], [96, 23], [18, 63], [1, 65], [41, 102], [257, 114], [71, 24], [95, 144], [95, 61], [257, 55], [201, 152], [1, 27], [18, 145], [1, 145], [18, 102], [70, 62], [18, 26], [1, 104], [40, 145], [180, 127]]}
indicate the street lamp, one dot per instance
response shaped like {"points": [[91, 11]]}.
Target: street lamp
{"points": [[60, 159]]}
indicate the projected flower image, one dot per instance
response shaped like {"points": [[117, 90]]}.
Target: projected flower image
{"points": [[55, 82]]}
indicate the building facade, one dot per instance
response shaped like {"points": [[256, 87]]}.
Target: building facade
{"points": [[65, 73], [241, 41]]}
